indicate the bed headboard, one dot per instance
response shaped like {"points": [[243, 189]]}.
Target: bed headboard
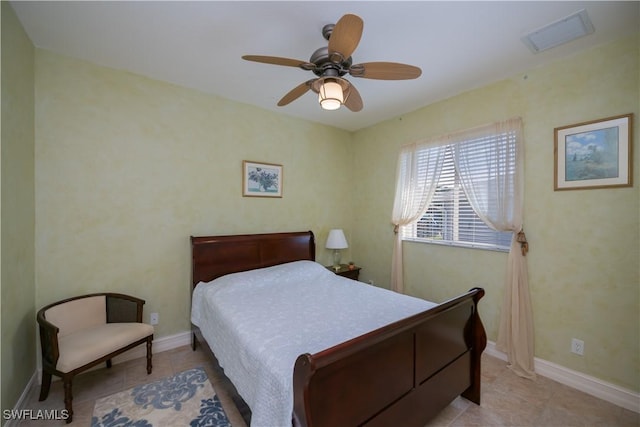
{"points": [[215, 256]]}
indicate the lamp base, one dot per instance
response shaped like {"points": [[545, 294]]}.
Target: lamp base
{"points": [[336, 259]]}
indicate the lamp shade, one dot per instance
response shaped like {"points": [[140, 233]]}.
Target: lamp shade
{"points": [[336, 240]]}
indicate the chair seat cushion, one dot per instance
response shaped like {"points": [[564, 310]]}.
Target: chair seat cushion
{"points": [[85, 346]]}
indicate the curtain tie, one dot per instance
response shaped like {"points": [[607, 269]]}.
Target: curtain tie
{"points": [[396, 227], [524, 245]]}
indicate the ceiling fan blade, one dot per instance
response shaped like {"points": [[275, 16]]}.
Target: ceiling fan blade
{"points": [[353, 101], [385, 71], [276, 60], [345, 36], [295, 93]]}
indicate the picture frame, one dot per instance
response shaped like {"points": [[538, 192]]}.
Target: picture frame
{"points": [[261, 179], [594, 154]]}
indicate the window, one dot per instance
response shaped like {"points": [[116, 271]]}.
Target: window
{"points": [[450, 218]]}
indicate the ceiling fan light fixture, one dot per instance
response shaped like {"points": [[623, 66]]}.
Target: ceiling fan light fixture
{"points": [[332, 62], [330, 95]]}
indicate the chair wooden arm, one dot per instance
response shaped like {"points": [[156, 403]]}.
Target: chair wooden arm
{"points": [[48, 340]]}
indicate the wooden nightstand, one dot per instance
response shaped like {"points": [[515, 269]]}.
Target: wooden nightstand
{"points": [[345, 272]]}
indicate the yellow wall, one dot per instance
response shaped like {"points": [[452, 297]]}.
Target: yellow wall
{"points": [[127, 168], [17, 210], [585, 245]]}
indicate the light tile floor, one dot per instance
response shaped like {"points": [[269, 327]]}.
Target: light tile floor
{"points": [[507, 400]]}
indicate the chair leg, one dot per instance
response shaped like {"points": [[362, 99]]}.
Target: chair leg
{"points": [[45, 386], [68, 398], [149, 355], [108, 363], [194, 341]]}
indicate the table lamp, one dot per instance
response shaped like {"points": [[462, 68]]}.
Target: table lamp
{"points": [[336, 241]]}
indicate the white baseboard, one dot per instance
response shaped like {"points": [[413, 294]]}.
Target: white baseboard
{"points": [[20, 404], [595, 387], [159, 345]]}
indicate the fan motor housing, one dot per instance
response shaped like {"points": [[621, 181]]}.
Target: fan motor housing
{"points": [[325, 66]]}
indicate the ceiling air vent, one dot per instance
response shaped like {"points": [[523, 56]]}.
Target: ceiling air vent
{"points": [[562, 31]]}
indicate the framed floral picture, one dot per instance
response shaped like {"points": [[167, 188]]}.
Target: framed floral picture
{"points": [[261, 179], [595, 154]]}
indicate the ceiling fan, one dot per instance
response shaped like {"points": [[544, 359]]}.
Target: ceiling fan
{"points": [[330, 63]]}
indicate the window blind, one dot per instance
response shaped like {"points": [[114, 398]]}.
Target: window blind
{"points": [[450, 219]]}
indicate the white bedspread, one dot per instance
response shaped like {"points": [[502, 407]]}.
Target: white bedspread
{"points": [[258, 323]]}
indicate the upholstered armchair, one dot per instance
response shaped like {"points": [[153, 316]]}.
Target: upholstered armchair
{"points": [[81, 332]]}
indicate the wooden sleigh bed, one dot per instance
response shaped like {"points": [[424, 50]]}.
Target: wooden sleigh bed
{"points": [[401, 374]]}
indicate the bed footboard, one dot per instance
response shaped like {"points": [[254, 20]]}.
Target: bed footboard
{"points": [[401, 374]]}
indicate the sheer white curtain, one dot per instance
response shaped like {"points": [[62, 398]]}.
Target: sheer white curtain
{"points": [[415, 186], [495, 192]]}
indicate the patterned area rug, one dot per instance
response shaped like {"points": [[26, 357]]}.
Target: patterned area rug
{"points": [[185, 399]]}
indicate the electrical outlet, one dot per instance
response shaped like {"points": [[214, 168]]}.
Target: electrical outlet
{"points": [[577, 346], [371, 282], [154, 318]]}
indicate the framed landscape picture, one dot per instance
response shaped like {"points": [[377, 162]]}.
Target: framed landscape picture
{"points": [[261, 179], [595, 154]]}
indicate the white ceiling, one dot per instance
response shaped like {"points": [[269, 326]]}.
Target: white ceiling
{"points": [[458, 45]]}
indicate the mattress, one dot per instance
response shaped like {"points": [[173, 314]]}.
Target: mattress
{"points": [[258, 322]]}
